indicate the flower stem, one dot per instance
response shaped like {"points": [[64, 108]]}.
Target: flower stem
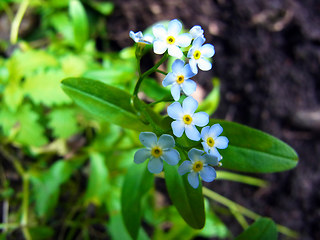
{"points": [[224, 175], [17, 21]]}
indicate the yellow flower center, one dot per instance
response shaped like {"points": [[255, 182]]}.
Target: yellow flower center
{"points": [[187, 119], [197, 54], [180, 79], [210, 141], [171, 40], [156, 151], [197, 166]]}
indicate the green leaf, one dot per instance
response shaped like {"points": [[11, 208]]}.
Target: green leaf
{"points": [[109, 103], [79, 23], [251, 150], [104, 8], [63, 122], [137, 182], [98, 180], [211, 103], [261, 229], [41, 232], [187, 200], [150, 87]]}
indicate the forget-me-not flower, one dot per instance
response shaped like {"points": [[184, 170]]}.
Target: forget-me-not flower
{"points": [[196, 31], [199, 53], [139, 38], [170, 39], [185, 118], [179, 78], [212, 140], [198, 165], [157, 151]]}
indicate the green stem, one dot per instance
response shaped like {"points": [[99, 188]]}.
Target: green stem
{"points": [[223, 175], [17, 21], [7, 10], [25, 207], [240, 218], [244, 211], [148, 72], [162, 72]]}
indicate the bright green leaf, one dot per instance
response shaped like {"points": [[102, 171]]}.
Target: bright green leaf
{"points": [[211, 103], [261, 229], [104, 8]]}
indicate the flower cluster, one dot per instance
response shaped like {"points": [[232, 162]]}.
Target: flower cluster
{"points": [[189, 46]]}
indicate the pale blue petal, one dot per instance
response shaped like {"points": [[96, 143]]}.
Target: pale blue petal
{"points": [[215, 130], [141, 155], [185, 167], [192, 132], [174, 27], [175, 51], [188, 87], [189, 105], [159, 47], [169, 79], [211, 159], [187, 72], [171, 156], [208, 174], [193, 179], [195, 154], [177, 66], [196, 31], [184, 40], [205, 147], [221, 142], [190, 52], [177, 128], [200, 119], [204, 64], [148, 139], [197, 43], [204, 133], [166, 141], [159, 31], [175, 110], [207, 50], [213, 151], [175, 92], [148, 38], [193, 65], [136, 36], [155, 165]]}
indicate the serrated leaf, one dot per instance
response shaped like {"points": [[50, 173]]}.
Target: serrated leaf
{"points": [[188, 201], [109, 103], [13, 95], [137, 182], [44, 87], [261, 229], [251, 150], [63, 122]]}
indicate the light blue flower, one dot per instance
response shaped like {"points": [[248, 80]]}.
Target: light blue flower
{"points": [[170, 39], [139, 38], [157, 151], [199, 165], [179, 79], [185, 118], [212, 140], [199, 53], [196, 31]]}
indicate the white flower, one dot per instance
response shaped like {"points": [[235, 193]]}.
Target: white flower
{"points": [[156, 151], [179, 78], [170, 39], [196, 31], [198, 55], [139, 38], [185, 118], [212, 140]]}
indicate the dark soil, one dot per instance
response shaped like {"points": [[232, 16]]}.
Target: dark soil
{"points": [[267, 58]]}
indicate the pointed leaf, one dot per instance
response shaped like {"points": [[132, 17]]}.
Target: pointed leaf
{"points": [[261, 229]]}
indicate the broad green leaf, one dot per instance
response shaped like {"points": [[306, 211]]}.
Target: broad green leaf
{"points": [[137, 182], [79, 23], [61, 23], [188, 201], [153, 89], [104, 8], [109, 103], [261, 229], [211, 102], [13, 95], [63, 122], [251, 150], [98, 179]]}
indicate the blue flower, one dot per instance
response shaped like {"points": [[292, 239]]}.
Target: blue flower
{"points": [[157, 151], [185, 118], [196, 31], [212, 140], [179, 78], [198, 165], [199, 53], [139, 38], [170, 39]]}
